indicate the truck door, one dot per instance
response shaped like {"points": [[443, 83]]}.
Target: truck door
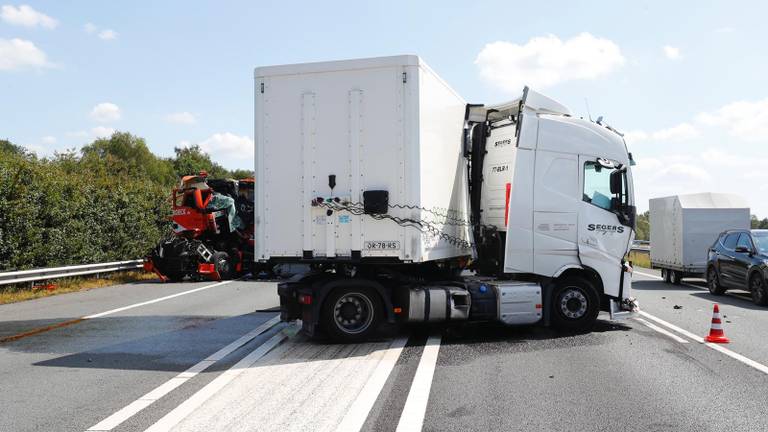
{"points": [[604, 234]]}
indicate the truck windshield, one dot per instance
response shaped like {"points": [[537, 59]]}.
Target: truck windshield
{"points": [[761, 241], [597, 185]]}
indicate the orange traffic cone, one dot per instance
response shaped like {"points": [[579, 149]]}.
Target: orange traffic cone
{"points": [[716, 334]]}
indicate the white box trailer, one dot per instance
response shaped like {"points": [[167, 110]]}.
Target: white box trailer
{"points": [[683, 227], [386, 128]]}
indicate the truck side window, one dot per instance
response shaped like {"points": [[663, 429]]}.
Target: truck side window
{"points": [[597, 185], [730, 241]]}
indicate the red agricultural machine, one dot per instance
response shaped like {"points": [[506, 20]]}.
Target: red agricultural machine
{"points": [[212, 234]]}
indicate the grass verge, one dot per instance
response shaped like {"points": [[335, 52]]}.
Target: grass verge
{"points": [[640, 259], [22, 292]]}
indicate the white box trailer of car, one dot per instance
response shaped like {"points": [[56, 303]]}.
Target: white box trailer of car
{"points": [[341, 128], [683, 227]]}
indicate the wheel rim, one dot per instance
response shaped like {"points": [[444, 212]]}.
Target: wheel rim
{"points": [[757, 289], [573, 303], [712, 279], [353, 313]]}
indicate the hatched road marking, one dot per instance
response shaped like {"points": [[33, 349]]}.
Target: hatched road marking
{"points": [[148, 399]]}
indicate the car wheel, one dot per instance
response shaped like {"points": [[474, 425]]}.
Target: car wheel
{"points": [[757, 288], [713, 282], [352, 314], [575, 306], [666, 276]]}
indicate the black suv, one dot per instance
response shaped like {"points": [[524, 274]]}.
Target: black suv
{"points": [[739, 259]]}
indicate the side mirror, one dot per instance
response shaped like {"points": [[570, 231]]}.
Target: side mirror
{"points": [[742, 249], [616, 182]]}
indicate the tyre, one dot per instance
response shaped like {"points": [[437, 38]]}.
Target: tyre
{"points": [[713, 282], [575, 305], [675, 277], [351, 314], [223, 265], [757, 288], [665, 276], [175, 277]]}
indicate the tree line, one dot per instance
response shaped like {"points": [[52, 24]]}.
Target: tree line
{"points": [[108, 202]]}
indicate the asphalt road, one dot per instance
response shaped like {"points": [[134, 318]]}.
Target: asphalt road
{"points": [[207, 357]]}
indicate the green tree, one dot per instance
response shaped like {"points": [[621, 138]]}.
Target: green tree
{"points": [[643, 226], [241, 174], [192, 160], [124, 154]]}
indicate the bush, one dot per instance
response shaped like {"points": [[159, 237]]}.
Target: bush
{"points": [[64, 210]]}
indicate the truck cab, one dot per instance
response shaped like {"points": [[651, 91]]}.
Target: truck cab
{"points": [[558, 190]]}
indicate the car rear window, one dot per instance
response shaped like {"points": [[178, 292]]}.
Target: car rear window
{"points": [[730, 241]]}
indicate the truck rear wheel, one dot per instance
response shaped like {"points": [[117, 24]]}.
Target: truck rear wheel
{"points": [[675, 276], [575, 305], [351, 314], [665, 275]]}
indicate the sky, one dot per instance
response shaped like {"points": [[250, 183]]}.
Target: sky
{"points": [[685, 81]]}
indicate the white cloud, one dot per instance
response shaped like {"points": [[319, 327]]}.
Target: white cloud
{"points": [[724, 30], [545, 61], [681, 132], [228, 144], [20, 54], [747, 120], [106, 112], [181, 118], [102, 132], [26, 16], [107, 34], [48, 139], [102, 33], [671, 52], [635, 136]]}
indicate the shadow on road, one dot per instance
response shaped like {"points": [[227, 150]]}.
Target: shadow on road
{"points": [[157, 343]]}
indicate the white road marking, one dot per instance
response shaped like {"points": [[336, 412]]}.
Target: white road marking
{"points": [[157, 300], [148, 399], [734, 355], [412, 417], [357, 414], [167, 422], [662, 331]]}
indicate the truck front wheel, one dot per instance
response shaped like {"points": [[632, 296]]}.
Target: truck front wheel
{"points": [[575, 305], [351, 314]]}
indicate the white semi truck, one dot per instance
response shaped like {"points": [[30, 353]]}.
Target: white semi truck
{"points": [[390, 186]]}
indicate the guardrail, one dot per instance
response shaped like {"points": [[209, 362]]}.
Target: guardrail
{"points": [[58, 272]]}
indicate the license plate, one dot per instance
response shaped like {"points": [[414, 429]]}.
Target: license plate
{"points": [[382, 245]]}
